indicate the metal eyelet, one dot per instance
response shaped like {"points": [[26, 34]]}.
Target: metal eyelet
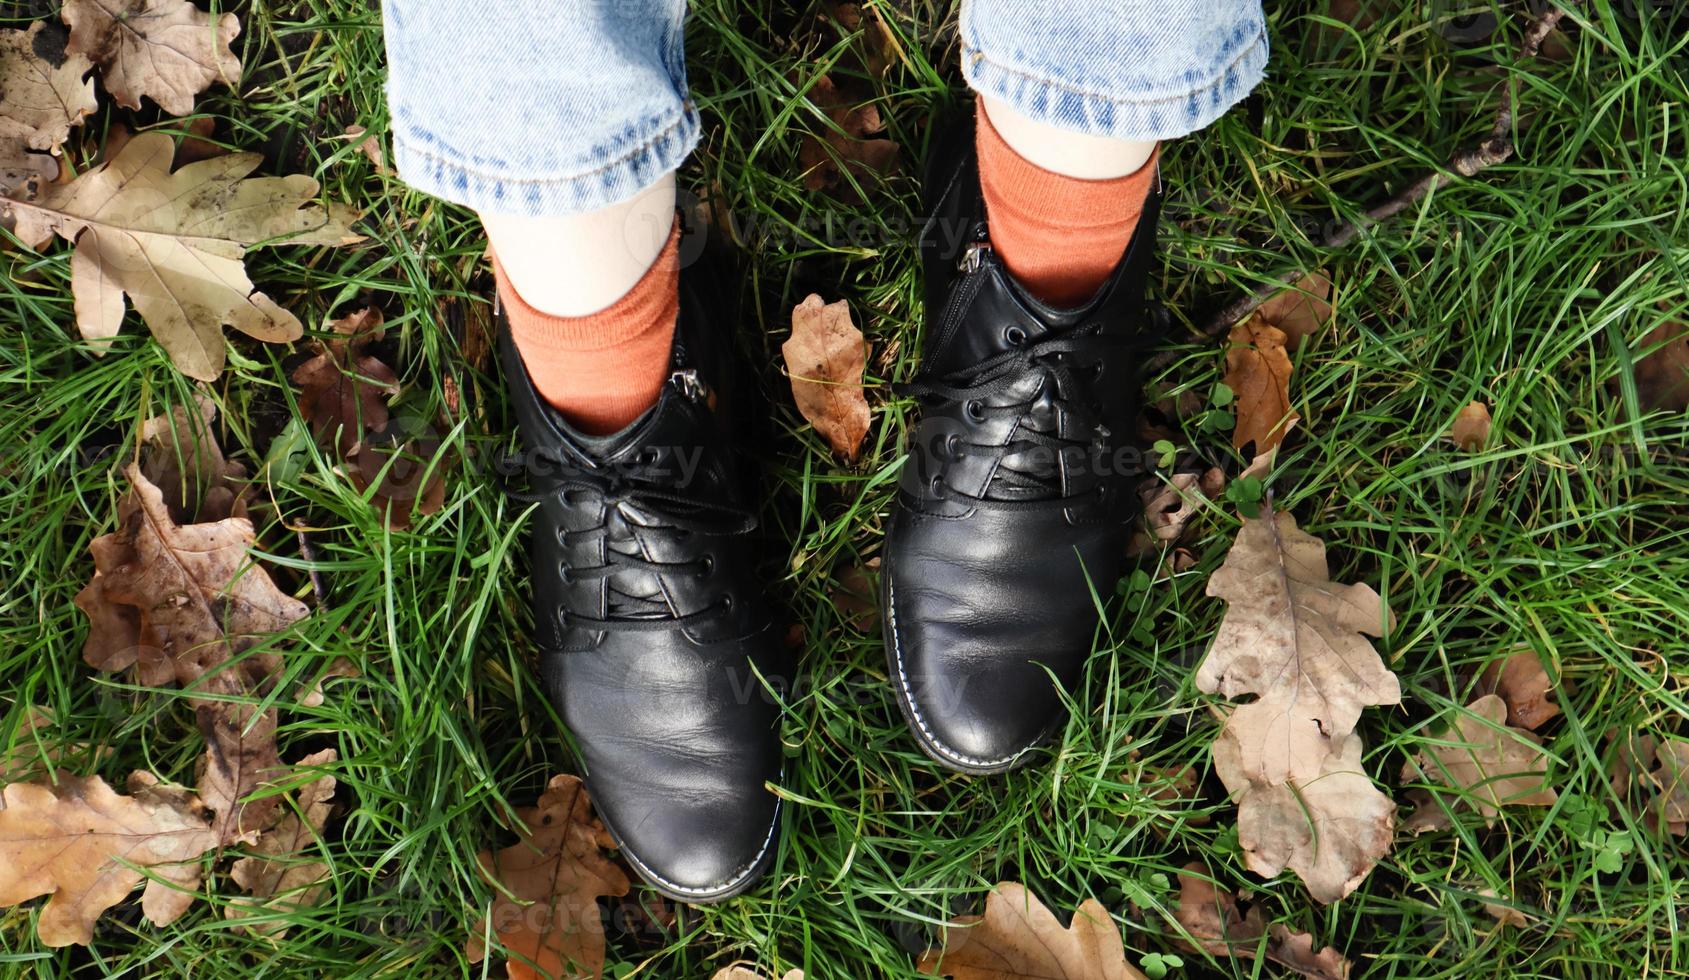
{"points": [[727, 602], [564, 576], [953, 446], [974, 410], [648, 457], [936, 486], [706, 566], [1015, 335]]}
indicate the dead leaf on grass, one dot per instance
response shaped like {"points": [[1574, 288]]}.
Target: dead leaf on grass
{"points": [[42, 99], [1494, 764], [1294, 639], [1302, 310], [173, 244], [166, 50], [1471, 429], [338, 667], [1660, 770], [1506, 915], [853, 139], [35, 751], [1018, 937], [545, 909], [1213, 918], [1662, 375], [1296, 951], [1169, 506], [22, 172], [369, 145], [194, 597], [279, 875], [1523, 683], [737, 972], [186, 604], [180, 456], [824, 358], [856, 596], [876, 49], [86, 846], [1258, 372], [343, 390], [1330, 829]]}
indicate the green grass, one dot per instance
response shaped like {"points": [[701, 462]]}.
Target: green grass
{"points": [[1525, 288]]}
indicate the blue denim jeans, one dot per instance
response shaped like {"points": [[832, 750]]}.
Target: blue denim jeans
{"points": [[538, 108]]}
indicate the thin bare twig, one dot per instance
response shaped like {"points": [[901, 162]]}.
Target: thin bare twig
{"points": [[310, 555], [1467, 163]]}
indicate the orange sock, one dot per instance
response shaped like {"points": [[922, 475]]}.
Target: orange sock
{"points": [[602, 370], [1059, 236]]}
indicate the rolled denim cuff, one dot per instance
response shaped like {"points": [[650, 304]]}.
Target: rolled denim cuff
{"points": [[489, 187], [1124, 69], [535, 108]]}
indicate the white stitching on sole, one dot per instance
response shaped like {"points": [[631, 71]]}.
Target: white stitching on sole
{"points": [[733, 880], [909, 695]]}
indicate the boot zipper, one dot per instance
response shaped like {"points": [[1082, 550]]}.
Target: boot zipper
{"points": [[690, 384], [973, 257]]}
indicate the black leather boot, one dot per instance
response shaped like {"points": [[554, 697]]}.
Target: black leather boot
{"points": [[1010, 525], [652, 631]]}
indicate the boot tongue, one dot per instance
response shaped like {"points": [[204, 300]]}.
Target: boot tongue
{"points": [[1030, 474]]}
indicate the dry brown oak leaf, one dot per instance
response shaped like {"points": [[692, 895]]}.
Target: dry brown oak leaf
{"points": [[86, 846], [1495, 764], [1302, 310], [545, 906], [1019, 938], [38, 750], [343, 391], [1212, 918], [1330, 829], [174, 243], [852, 138], [179, 603], [825, 357], [1523, 683], [1471, 428], [279, 875], [1258, 372], [1664, 789], [1670, 780], [1662, 375], [1293, 638], [39, 100], [167, 50], [180, 456], [23, 173]]}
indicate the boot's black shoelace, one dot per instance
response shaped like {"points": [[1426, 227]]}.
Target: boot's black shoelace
{"points": [[1062, 388], [669, 512]]}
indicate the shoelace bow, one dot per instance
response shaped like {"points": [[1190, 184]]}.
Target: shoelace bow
{"points": [[973, 386], [673, 512]]}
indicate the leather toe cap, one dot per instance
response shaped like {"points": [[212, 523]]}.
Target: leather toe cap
{"points": [[698, 851], [985, 625], [680, 742], [973, 714]]}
